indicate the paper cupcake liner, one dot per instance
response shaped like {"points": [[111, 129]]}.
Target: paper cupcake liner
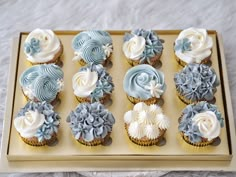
{"points": [[88, 99], [56, 59], [95, 142], [34, 141], [83, 63], [149, 101], [145, 141], [153, 60], [182, 63]]}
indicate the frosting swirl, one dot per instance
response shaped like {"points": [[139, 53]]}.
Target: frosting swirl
{"points": [[143, 121], [144, 82], [37, 120], [92, 46], [196, 82], [42, 82], [195, 127], [193, 45], [142, 45], [90, 121], [41, 45]]}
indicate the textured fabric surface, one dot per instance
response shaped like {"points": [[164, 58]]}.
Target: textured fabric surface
{"points": [[26, 15]]}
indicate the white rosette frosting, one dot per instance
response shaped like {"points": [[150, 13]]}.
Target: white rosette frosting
{"points": [[84, 82], [49, 45], [134, 48], [146, 121], [194, 45], [207, 124], [28, 124]]}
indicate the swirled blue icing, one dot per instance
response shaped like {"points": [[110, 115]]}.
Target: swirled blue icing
{"points": [[51, 123], [138, 77], [90, 121], [196, 82], [90, 45], [183, 45], [32, 47], [104, 84], [153, 45], [188, 128], [42, 80]]}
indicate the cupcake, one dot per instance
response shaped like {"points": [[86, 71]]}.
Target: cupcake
{"points": [[37, 124], [200, 124], [142, 47], [193, 45], [196, 82], [92, 83], [143, 83], [92, 47], [91, 124], [42, 46], [42, 82], [146, 125]]}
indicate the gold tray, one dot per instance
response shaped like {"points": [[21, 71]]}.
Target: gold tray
{"points": [[122, 154]]}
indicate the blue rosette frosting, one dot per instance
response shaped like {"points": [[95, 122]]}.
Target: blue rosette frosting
{"points": [[92, 46], [196, 82], [51, 123], [42, 82], [104, 84], [186, 124], [90, 121], [144, 82], [153, 44]]}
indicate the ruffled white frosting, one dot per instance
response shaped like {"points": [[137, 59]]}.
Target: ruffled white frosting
{"points": [[200, 45], [49, 45], [134, 48], [84, 83], [208, 124], [28, 125], [146, 121]]}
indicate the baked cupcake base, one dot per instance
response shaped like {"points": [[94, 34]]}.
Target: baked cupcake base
{"points": [[149, 101], [95, 142], [153, 60], [102, 100], [34, 141], [182, 63]]}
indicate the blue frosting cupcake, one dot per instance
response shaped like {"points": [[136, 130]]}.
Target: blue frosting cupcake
{"points": [[143, 83], [92, 83], [42, 82], [200, 123], [91, 123], [93, 46], [196, 82], [142, 47], [37, 123]]}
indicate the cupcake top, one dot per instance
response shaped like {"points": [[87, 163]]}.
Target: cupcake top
{"points": [[193, 45], [41, 45], [201, 120], [144, 82], [42, 82], [90, 121], [37, 120], [196, 82], [92, 46], [92, 81], [146, 121], [142, 45]]}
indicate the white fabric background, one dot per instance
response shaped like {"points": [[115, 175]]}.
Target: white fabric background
{"points": [[16, 16]]}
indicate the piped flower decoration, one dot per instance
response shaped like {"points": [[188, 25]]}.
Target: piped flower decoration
{"points": [[32, 47]]}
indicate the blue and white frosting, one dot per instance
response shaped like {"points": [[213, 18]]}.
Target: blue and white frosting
{"points": [[92, 81], [32, 47], [142, 45], [201, 120], [41, 130], [196, 82], [90, 121], [42, 82], [92, 46], [144, 82]]}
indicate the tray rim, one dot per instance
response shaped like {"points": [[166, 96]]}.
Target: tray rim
{"points": [[10, 96]]}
